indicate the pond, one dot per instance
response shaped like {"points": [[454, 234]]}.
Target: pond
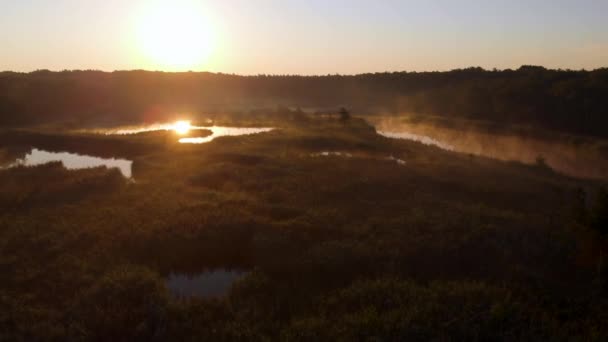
{"points": [[218, 131], [209, 284], [73, 161], [184, 127], [70, 160]]}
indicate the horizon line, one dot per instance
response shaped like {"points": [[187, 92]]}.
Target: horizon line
{"points": [[307, 75]]}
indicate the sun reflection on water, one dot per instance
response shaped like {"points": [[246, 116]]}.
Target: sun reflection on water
{"points": [[218, 131], [182, 127]]}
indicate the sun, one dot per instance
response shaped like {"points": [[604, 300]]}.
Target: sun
{"points": [[175, 35], [181, 127]]}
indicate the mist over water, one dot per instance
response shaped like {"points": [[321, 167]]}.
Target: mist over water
{"points": [[417, 137], [573, 156]]}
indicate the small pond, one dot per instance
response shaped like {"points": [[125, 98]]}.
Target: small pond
{"points": [[208, 284], [217, 131], [183, 127], [73, 161]]}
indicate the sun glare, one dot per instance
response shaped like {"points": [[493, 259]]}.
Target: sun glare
{"points": [[182, 127], [175, 35]]}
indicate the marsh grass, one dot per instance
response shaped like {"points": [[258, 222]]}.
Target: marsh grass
{"points": [[446, 246]]}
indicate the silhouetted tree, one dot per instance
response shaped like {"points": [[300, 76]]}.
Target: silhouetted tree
{"points": [[344, 114]]}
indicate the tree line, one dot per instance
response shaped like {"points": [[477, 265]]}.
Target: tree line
{"points": [[564, 100]]}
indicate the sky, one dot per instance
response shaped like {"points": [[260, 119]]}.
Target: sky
{"points": [[311, 37]]}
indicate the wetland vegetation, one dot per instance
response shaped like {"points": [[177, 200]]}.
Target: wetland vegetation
{"points": [[319, 229]]}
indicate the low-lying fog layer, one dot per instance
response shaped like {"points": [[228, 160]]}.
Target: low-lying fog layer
{"points": [[73, 161], [416, 137], [573, 156]]}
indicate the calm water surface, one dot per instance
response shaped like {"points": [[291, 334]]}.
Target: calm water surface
{"points": [[73, 161], [586, 158], [216, 131], [210, 284]]}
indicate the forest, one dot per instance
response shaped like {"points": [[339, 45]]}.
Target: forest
{"points": [[563, 100]]}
